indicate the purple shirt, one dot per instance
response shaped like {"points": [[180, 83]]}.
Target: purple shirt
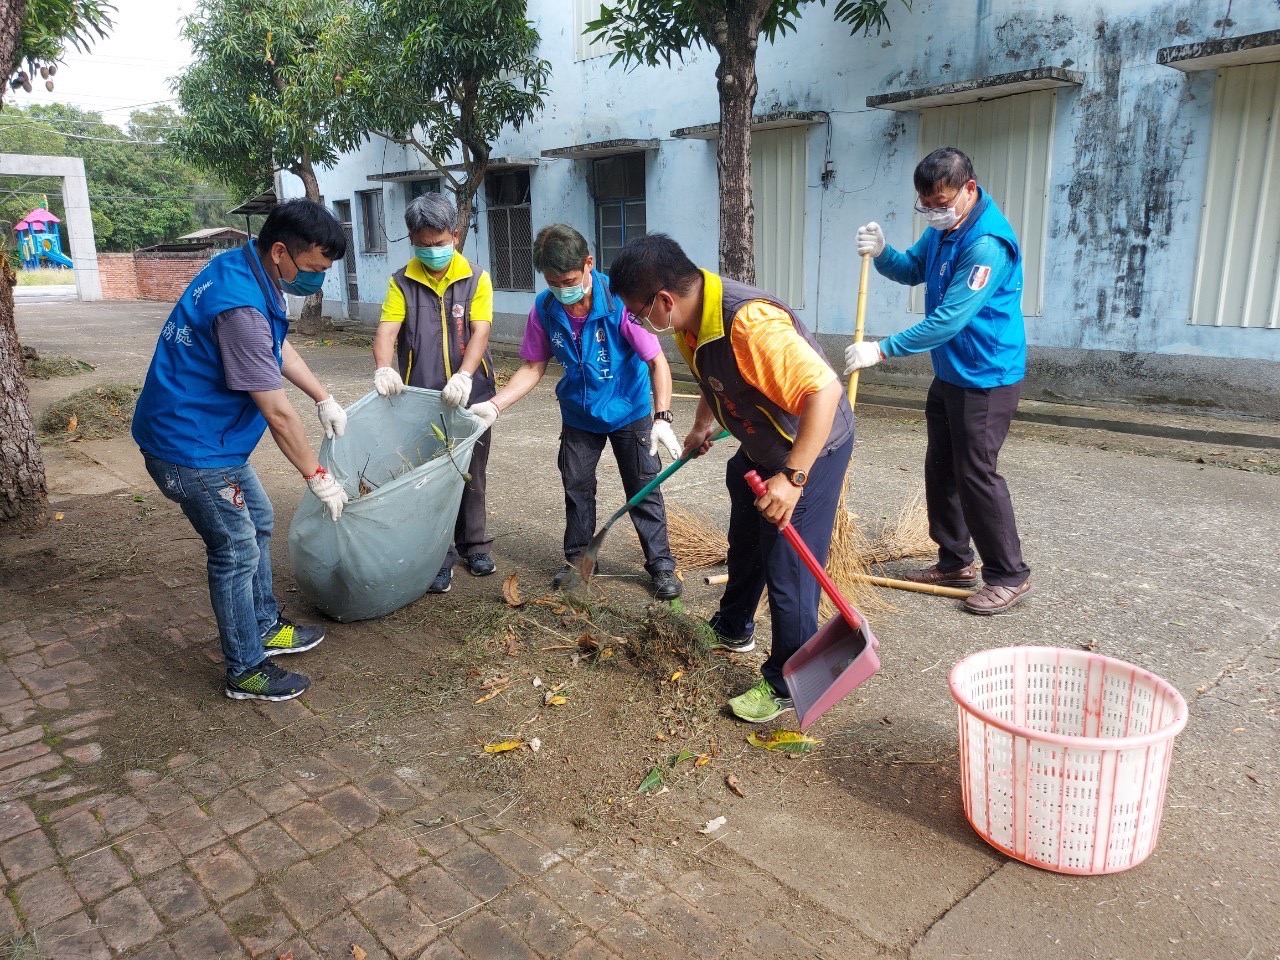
{"points": [[536, 345], [245, 343]]}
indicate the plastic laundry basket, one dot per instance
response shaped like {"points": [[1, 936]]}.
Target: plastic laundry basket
{"points": [[1064, 755]]}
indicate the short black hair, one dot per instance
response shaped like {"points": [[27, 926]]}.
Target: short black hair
{"points": [[301, 224], [945, 166], [651, 263]]}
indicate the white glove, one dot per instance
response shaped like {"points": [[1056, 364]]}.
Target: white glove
{"points": [[859, 356], [870, 241], [457, 391], [662, 433], [487, 411], [386, 380], [332, 417], [328, 490]]}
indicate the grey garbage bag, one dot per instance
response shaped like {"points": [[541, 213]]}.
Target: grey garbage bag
{"points": [[405, 486]]}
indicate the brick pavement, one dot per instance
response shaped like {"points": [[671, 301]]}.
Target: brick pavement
{"points": [[189, 857]]}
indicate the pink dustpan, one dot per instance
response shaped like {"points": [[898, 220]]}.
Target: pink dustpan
{"points": [[836, 659]]}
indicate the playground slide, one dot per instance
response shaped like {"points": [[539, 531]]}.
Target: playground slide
{"points": [[53, 256]]}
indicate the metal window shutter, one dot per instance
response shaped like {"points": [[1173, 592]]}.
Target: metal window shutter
{"points": [[1237, 282], [1009, 141], [778, 165]]}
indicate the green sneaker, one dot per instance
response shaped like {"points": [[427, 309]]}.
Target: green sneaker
{"points": [[287, 637], [759, 704]]}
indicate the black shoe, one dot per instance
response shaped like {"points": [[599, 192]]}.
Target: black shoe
{"points": [[666, 585], [743, 644], [286, 637], [266, 681], [568, 572], [443, 582], [480, 565]]}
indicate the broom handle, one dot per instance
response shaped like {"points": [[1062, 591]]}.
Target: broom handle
{"points": [[656, 482], [859, 322], [715, 579], [851, 616]]}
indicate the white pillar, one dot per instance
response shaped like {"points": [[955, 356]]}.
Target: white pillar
{"points": [[75, 198]]}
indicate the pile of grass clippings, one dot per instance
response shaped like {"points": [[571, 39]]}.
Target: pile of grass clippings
{"points": [[46, 368], [96, 413]]}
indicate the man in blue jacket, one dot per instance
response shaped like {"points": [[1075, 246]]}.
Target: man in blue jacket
{"points": [[215, 385], [614, 376], [969, 261]]}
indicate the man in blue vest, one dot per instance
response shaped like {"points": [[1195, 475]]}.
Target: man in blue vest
{"points": [[614, 376], [969, 261], [215, 385]]}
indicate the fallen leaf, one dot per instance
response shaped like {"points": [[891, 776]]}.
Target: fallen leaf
{"points": [[677, 675], [559, 700], [587, 642], [651, 782], [57, 516], [495, 682], [537, 681], [357, 953], [73, 423], [702, 760], [783, 741], [503, 746], [535, 744], [714, 825], [1238, 730], [513, 644], [511, 592], [493, 693], [682, 756], [287, 955], [732, 783]]}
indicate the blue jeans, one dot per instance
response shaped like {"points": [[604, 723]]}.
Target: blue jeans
{"points": [[231, 512]]}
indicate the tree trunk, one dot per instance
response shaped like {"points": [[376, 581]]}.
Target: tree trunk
{"points": [[311, 320], [24, 497], [735, 39]]}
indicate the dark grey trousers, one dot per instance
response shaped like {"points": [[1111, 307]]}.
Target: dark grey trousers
{"points": [[579, 456], [470, 532], [966, 496]]}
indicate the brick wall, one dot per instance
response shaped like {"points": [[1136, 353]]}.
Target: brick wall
{"points": [[163, 276], [118, 276]]}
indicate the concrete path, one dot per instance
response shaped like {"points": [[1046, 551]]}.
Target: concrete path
{"points": [[859, 850]]}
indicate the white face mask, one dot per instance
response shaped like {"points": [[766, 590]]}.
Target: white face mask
{"points": [[943, 219]]}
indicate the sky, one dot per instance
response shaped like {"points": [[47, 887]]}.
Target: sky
{"points": [[127, 70]]}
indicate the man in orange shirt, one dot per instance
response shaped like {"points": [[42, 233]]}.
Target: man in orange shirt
{"points": [[765, 379]]}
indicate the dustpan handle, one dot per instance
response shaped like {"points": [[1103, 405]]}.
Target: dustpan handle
{"points": [[851, 616]]}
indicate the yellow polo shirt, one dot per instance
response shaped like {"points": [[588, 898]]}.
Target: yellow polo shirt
{"points": [[393, 307]]}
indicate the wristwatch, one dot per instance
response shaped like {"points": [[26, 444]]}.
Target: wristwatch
{"points": [[797, 477], [664, 415]]}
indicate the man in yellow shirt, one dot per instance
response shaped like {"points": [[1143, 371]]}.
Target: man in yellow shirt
{"points": [[765, 379], [435, 327]]}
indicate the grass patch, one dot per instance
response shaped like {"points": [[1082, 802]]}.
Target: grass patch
{"points": [[96, 413], [46, 277], [46, 368], [20, 946]]}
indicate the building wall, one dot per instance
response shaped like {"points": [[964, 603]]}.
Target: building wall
{"points": [[1126, 183], [164, 276]]}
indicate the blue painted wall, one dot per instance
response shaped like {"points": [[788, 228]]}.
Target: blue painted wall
{"points": [[1128, 162]]}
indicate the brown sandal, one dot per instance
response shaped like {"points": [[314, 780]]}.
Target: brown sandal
{"points": [[992, 599]]}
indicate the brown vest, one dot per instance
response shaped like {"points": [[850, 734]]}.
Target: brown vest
{"points": [[435, 334]]}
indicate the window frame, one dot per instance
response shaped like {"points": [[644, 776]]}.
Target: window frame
{"points": [[373, 231], [503, 267], [627, 200]]}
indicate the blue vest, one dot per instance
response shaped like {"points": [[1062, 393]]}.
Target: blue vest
{"points": [[991, 350], [186, 414], [605, 384]]}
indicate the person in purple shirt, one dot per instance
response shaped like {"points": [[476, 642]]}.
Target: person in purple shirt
{"points": [[614, 376]]}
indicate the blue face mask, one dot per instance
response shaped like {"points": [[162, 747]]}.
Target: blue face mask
{"points": [[569, 295], [436, 258], [305, 283]]}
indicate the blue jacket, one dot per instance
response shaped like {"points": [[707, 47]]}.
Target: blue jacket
{"points": [[605, 384], [973, 324], [186, 414]]}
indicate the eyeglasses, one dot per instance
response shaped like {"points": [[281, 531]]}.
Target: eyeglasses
{"points": [[648, 308], [921, 208]]}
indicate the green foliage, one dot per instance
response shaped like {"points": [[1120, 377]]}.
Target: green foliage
{"points": [[48, 28], [442, 77], [654, 31], [259, 94], [140, 191]]}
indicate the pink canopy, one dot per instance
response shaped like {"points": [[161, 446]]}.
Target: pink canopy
{"points": [[38, 215]]}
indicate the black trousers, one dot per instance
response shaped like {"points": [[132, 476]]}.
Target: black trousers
{"points": [[760, 557], [470, 530], [966, 496], [579, 456]]}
